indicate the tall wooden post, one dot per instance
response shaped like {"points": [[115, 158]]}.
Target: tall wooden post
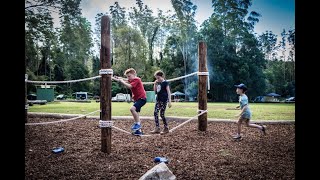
{"points": [[25, 93], [105, 84], [202, 86]]}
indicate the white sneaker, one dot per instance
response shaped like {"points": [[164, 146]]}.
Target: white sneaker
{"points": [[237, 137]]}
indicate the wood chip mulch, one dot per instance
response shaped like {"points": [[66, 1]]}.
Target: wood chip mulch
{"points": [[193, 154]]}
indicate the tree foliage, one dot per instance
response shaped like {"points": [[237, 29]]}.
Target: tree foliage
{"points": [[149, 41]]}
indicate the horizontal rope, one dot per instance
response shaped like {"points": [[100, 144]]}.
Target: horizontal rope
{"points": [[121, 130], [108, 71], [59, 82], [203, 111], [65, 120], [127, 132], [174, 79], [171, 130]]}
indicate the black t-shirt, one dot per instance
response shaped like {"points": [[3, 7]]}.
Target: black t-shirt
{"points": [[161, 91]]}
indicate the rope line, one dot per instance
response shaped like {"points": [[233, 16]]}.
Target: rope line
{"points": [[65, 120], [119, 129], [174, 79], [171, 130], [109, 71], [203, 111], [57, 82]]}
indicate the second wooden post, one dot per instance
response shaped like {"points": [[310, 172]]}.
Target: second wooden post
{"points": [[105, 84], [202, 86]]}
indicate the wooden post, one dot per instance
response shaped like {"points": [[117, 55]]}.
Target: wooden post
{"points": [[105, 84], [202, 86], [25, 94]]}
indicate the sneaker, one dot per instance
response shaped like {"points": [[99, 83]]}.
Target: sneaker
{"points": [[236, 137], [165, 130], [135, 127], [155, 131], [263, 130], [137, 132]]}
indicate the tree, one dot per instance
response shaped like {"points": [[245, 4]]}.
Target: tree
{"points": [[128, 53], [38, 36], [75, 40], [233, 51], [79, 71], [268, 42], [148, 25], [172, 64], [291, 57], [184, 31], [280, 72]]}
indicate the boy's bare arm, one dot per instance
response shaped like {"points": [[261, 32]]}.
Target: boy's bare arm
{"points": [[155, 86], [169, 96], [242, 110], [123, 81]]}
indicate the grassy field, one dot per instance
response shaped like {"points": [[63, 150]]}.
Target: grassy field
{"points": [[260, 111]]}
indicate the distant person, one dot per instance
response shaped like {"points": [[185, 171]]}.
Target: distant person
{"points": [[162, 90], [134, 83], [245, 114]]}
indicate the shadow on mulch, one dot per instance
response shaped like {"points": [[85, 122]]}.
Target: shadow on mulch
{"points": [[192, 154]]}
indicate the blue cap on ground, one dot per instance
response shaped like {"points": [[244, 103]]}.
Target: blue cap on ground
{"points": [[160, 159]]}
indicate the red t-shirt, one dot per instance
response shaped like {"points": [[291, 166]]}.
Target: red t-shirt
{"points": [[137, 89]]}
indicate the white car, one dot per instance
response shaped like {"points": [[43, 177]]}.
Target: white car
{"points": [[61, 96], [120, 97], [291, 99]]}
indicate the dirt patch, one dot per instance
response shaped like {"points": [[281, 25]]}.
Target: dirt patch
{"points": [[192, 154]]}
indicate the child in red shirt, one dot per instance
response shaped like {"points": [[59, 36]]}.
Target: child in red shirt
{"points": [[138, 95]]}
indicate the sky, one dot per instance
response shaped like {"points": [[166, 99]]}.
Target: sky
{"points": [[276, 15]]}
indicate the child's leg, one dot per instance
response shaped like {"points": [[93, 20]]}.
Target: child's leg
{"points": [[248, 124], [163, 106], [238, 135], [156, 112], [135, 109], [135, 114], [262, 128], [239, 126]]}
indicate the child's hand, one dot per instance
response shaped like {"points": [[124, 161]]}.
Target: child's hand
{"points": [[116, 78], [119, 78], [169, 105]]}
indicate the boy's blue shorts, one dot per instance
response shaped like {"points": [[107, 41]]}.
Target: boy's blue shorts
{"points": [[139, 103]]}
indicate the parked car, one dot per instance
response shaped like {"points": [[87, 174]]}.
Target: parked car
{"points": [[120, 97], [32, 97], [290, 99], [61, 97]]}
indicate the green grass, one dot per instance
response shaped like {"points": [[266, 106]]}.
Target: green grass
{"points": [[260, 111]]}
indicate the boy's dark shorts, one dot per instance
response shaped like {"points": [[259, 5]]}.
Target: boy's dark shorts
{"points": [[139, 103]]}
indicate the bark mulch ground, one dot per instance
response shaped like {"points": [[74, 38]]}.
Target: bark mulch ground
{"points": [[192, 154]]}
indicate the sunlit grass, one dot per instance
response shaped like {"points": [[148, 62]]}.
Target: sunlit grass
{"points": [[260, 111]]}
